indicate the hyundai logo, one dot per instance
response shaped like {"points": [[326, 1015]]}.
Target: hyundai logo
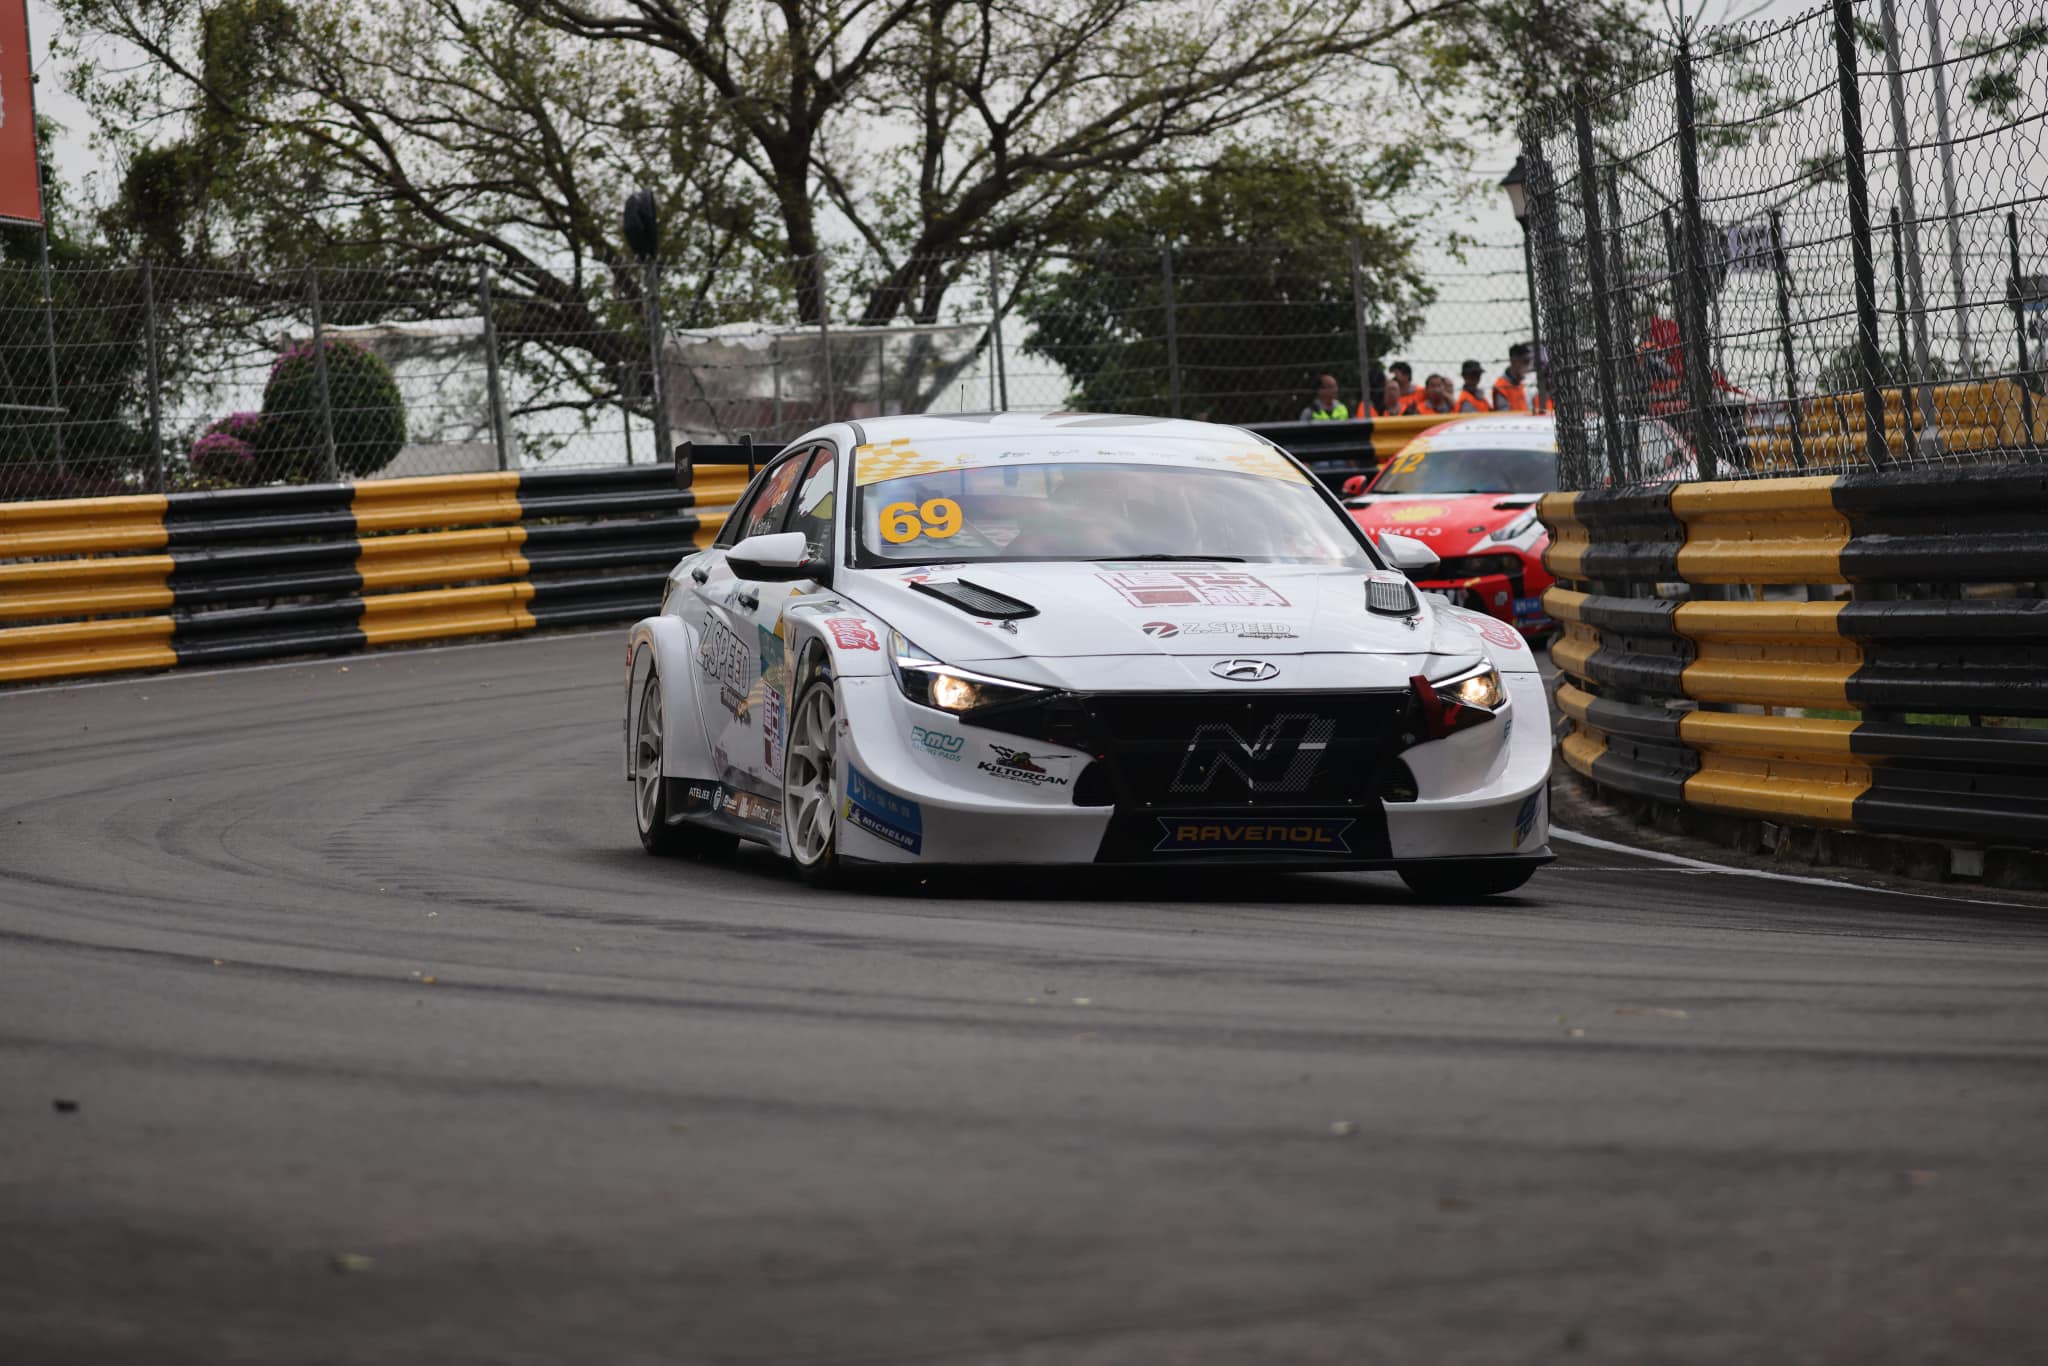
{"points": [[1244, 670]]}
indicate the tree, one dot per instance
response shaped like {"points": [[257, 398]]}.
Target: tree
{"points": [[91, 332], [1259, 229]]}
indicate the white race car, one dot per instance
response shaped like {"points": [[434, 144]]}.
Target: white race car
{"points": [[1074, 639]]}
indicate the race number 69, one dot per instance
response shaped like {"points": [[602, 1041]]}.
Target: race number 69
{"points": [[937, 519]]}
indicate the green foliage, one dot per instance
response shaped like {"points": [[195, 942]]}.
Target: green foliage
{"points": [[1998, 88], [369, 413], [1260, 237], [96, 318]]}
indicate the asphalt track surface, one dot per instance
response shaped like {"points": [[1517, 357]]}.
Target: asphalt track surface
{"points": [[388, 1044]]}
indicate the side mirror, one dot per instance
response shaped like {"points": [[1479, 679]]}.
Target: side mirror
{"points": [[1405, 553], [782, 557], [1354, 486]]}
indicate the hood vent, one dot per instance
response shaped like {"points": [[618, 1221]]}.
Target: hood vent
{"points": [[1390, 598], [981, 602]]}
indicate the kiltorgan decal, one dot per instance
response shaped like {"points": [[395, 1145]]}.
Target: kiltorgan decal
{"points": [[1019, 767]]}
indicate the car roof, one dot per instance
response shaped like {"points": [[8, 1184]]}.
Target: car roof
{"points": [[967, 426], [1503, 430]]}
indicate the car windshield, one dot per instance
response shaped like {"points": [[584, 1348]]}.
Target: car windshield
{"points": [[1071, 510], [1470, 469]]}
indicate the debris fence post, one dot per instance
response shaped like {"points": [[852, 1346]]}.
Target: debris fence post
{"points": [[1861, 264], [1172, 331], [495, 391], [331, 468]]}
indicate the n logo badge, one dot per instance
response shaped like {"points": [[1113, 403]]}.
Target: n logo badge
{"points": [[1281, 758]]}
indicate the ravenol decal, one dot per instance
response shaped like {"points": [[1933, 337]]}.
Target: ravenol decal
{"points": [[726, 660], [1213, 834], [883, 814], [938, 743]]}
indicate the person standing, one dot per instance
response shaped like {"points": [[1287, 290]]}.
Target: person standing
{"points": [[1402, 395], [1508, 394], [1436, 395], [1472, 397], [1326, 408]]}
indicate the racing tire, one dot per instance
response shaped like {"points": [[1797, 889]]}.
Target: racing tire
{"points": [[810, 797], [1467, 882], [650, 792]]}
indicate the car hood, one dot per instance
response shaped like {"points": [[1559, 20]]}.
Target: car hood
{"points": [[1449, 524], [1179, 617]]}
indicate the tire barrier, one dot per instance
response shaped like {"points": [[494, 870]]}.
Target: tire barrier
{"points": [[1703, 701], [1334, 451], [99, 585]]}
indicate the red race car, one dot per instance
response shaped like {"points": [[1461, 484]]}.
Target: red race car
{"points": [[1468, 491]]}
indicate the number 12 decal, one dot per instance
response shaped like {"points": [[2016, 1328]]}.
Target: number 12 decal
{"points": [[938, 519]]}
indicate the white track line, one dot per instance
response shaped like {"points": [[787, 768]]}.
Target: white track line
{"points": [[1702, 866], [315, 662]]}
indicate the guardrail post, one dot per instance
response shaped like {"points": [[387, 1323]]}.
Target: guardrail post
{"points": [[664, 449], [495, 390], [1692, 315], [331, 468], [153, 378], [1899, 302], [2019, 322], [1782, 270], [1358, 323], [1596, 269], [50, 338], [1172, 332], [1860, 262], [999, 382]]}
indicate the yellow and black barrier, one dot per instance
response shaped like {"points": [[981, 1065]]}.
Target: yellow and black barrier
{"points": [[99, 585], [1702, 700]]}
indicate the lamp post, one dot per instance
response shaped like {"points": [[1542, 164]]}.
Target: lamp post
{"points": [[1516, 183]]}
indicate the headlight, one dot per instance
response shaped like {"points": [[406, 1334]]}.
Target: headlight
{"points": [[927, 682], [1466, 699], [1481, 689], [1516, 529]]}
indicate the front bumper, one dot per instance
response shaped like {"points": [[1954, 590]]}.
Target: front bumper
{"points": [[919, 787]]}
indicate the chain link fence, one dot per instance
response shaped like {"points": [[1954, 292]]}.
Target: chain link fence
{"points": [[138, 378], [1810, 246]]}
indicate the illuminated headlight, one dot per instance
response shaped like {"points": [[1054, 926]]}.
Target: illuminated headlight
{"points": [[1516, 529], [929, 683], [1482, 689]]}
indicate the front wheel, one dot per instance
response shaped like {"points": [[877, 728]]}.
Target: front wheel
{"points": [[650, 792], [810, 814], [1466, 882]]}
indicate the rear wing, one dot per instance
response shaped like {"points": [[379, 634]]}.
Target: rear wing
{"points": [[690, 454]]}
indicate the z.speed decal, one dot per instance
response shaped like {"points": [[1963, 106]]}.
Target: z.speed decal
{"points": [[883, 814], [726, 660], [1192, 588], [1242, 630]]}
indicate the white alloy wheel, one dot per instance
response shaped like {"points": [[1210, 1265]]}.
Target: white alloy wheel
{"points": [[809, 819], [648, 806]]}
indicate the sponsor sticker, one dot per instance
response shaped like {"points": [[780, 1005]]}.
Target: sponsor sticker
{"points": [[1242, 630], [1417, 512], [1018, 766], [1500, 633], [1526, 818], [882, 813], [1192, 588], [749, 808], [1211, 834], [771, 729], [725, 659], [851, 633], [938, 744]]}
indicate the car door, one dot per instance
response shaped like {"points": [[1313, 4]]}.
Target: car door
{"points": [[755, 614], [728, 654]]}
